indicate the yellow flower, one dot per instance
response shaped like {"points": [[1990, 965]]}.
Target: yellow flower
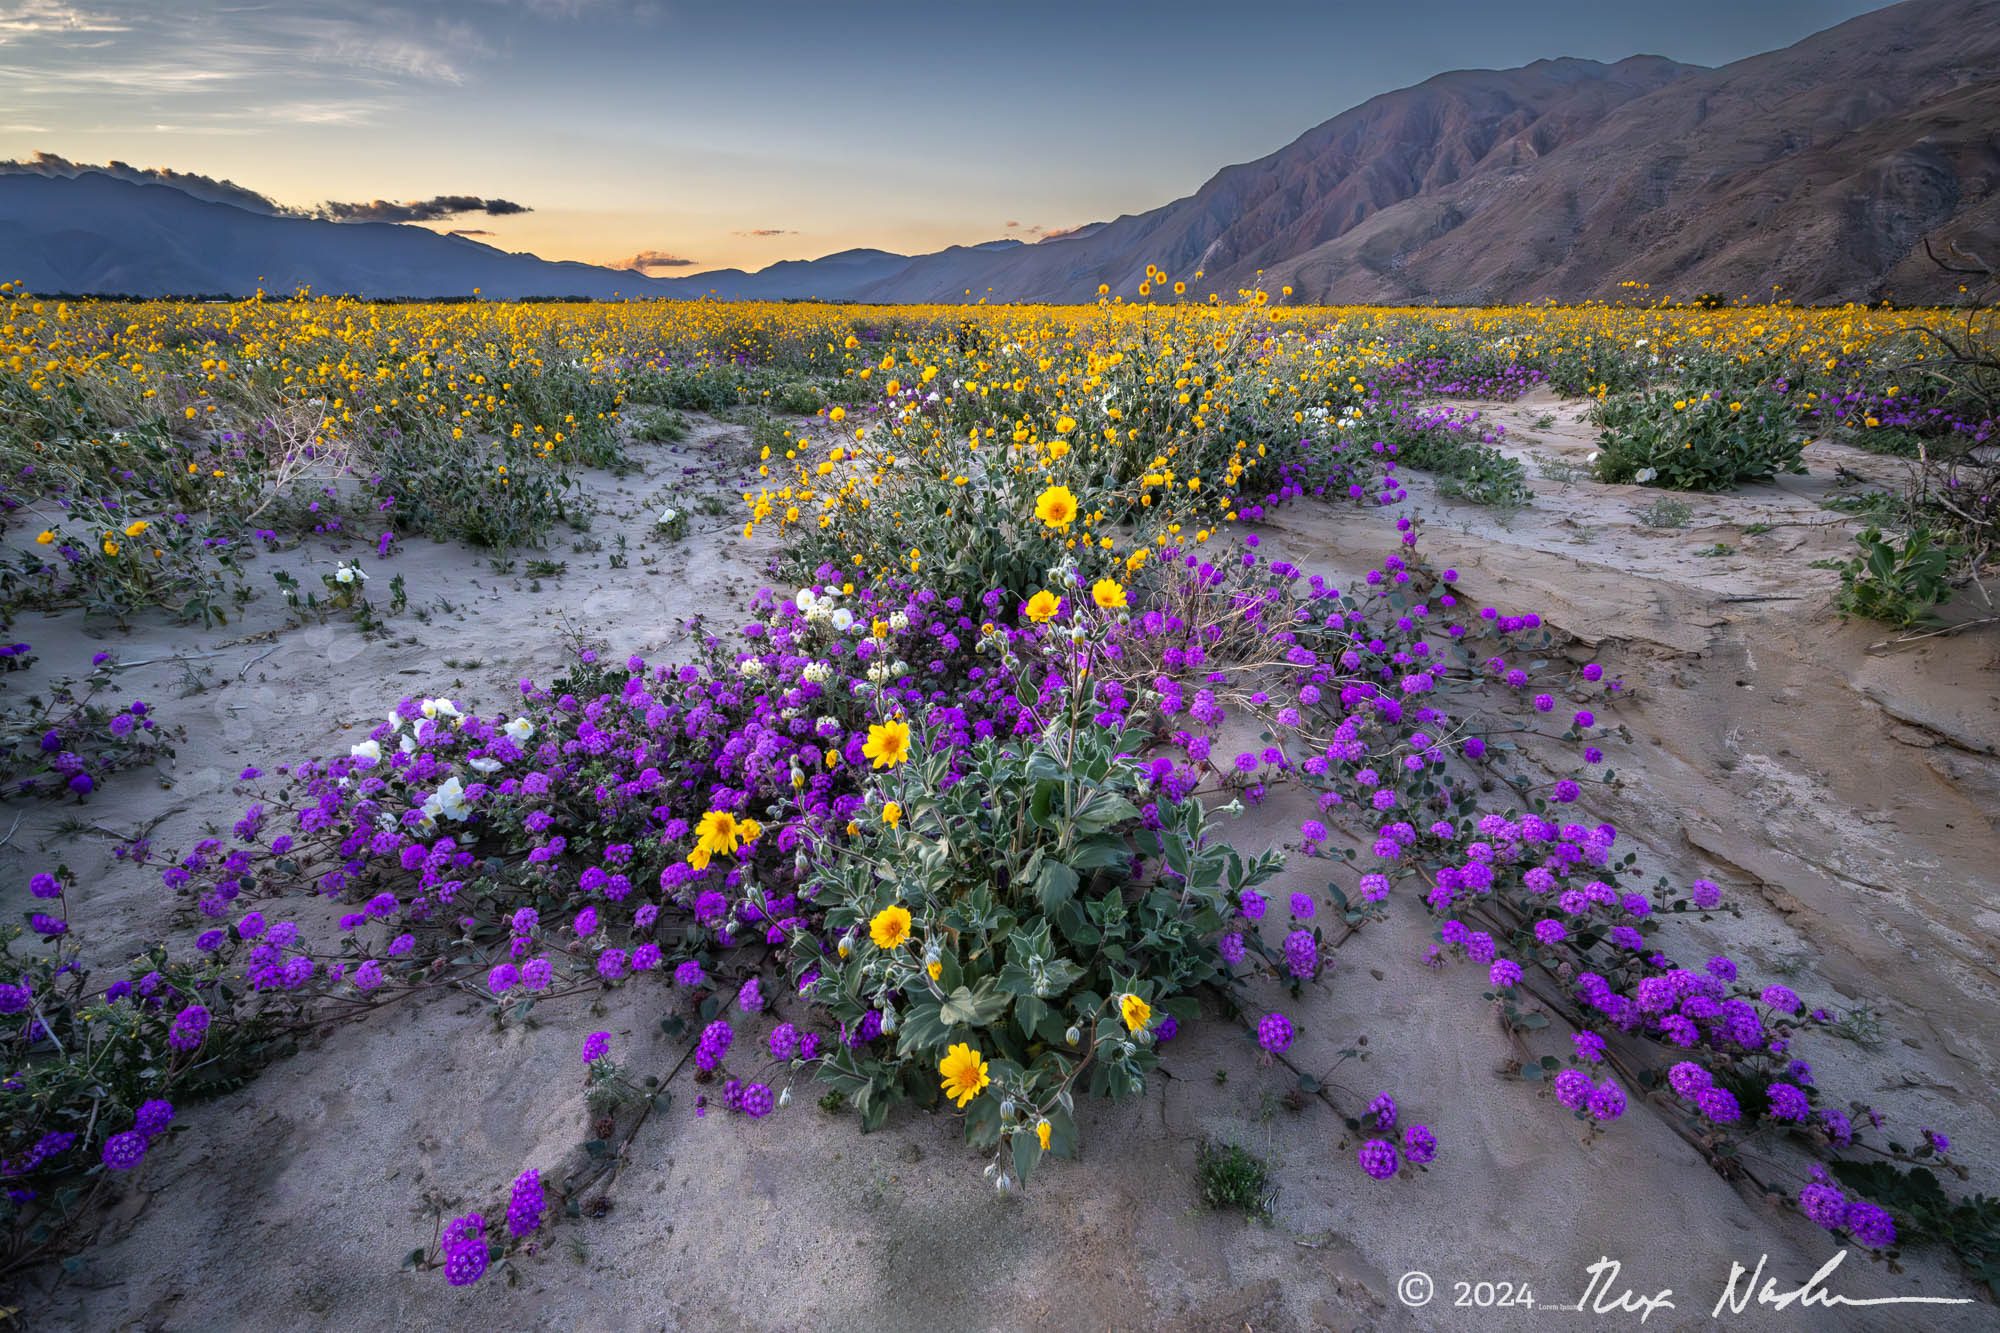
{"points": [[1056, 507], [964, 1074], [1107, 594], [837, 415], [1042, 607], [46, 537], [1065, 424], [892, 814], [935, 967], [718, 834], [1136, 1012], [888, 743], [136, 527], [110, 547], [890, 927], [1042, 1131]]}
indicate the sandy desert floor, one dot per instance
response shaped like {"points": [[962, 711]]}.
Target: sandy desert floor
{"points": [[1845, 793]]}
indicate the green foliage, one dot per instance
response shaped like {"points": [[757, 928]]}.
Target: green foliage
{"points": [[91, 1057], [1466, 469], [1684, 441], [1969, 1228], [1233, 1177], [47, 738], [1666, 512], [660, 426], [1899, 582], [1052, 926]]}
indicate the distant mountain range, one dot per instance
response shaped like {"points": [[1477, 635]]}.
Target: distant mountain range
{"points": [[1820, 168]]}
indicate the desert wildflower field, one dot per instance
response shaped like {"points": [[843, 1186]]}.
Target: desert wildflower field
{"points": [[1145, 812]]}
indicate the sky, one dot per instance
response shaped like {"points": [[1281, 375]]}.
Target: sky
{"points": [[700, 136]]}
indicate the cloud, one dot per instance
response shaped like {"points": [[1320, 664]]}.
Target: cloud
{"points": [[467, 231], [201, 187], [651, 259], [241, 196], [35, 18], [768, 231], [421, 210]]}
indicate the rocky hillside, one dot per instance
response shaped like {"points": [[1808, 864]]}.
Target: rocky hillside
{"points": [[1820, 169]]}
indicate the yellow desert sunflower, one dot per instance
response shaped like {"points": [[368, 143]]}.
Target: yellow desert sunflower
{"points": [[964, 1074], [1056, 507], [888, 743], [890, 927]]}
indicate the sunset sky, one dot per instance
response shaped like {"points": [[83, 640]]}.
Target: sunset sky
{"points": [[741, 134]]}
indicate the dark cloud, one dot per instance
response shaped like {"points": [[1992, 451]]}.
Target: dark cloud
{"points": [[467, 231], [201, 187], [239, 196], [421, 210], [651, 259], [768, 231]]}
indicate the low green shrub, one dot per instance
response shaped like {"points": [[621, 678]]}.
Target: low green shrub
{"points": [[1024, 919], [1897, 581], [1688, 442]]}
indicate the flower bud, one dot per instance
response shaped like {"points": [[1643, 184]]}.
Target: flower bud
{"points": [[1074, 1035]]}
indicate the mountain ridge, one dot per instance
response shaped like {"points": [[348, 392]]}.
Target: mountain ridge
{"points": [[1821, 168]]}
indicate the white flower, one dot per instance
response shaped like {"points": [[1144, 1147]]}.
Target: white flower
{"points": [[804, 601], [449, 801], [483, 765], [367, 754], [346, 573], [819, 673], [843, 619], [395, 722], [668, 515], [1645, 474], [519, 730], [751, 668], [437, 708], [898, 621]]}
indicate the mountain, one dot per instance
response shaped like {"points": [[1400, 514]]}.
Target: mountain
{"points": [[93, 233], [1821, 168]]}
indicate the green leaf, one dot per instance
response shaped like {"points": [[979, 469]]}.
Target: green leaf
{"points": [[1055, 885]]}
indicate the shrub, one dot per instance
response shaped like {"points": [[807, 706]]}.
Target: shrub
{"points": [[1028, 903], [1897, 581], [1713, 442], [660, 426]]}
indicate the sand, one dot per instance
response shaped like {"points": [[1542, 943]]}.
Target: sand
{"points": [[1844, 794]]}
